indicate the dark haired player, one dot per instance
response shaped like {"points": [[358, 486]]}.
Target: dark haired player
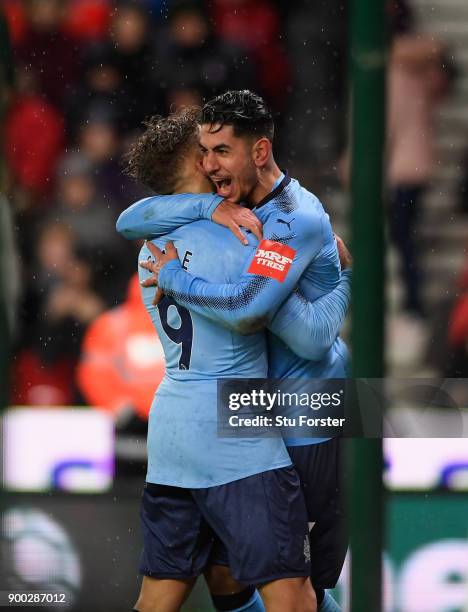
{"points": [[192, 473], [236, 143]]}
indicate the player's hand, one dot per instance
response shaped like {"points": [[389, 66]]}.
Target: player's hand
{"points": [[233, 216], [346, 259], [160, 259]]}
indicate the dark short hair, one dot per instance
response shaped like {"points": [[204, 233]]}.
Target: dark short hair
{"points": [[156, 156], [244, 110]]}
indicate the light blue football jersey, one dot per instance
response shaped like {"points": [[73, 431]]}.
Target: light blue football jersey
{"points": [[184, 449], [305, 342], [295, 218]]}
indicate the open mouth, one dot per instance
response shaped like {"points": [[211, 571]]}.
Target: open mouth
{"points": [[223, 185]]}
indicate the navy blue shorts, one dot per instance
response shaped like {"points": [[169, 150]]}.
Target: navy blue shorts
{"points": [[256, 525], [320, 468]]}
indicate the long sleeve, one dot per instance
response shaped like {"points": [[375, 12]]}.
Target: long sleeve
{"points": [[159, 215], [310, 328], [271, 272]]}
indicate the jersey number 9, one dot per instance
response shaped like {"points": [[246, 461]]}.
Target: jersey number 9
{"points": [[179, 335]]}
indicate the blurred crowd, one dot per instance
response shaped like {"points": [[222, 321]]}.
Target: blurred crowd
{"points": [[82, 75]]}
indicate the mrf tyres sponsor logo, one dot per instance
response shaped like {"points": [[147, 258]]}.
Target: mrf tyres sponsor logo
{"points": [[272, 259]]}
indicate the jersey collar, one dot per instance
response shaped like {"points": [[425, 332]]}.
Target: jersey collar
{"points": [[277, 189]]}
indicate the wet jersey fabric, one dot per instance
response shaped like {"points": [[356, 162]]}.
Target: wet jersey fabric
{"points": [[298, 241], [309, 328], [298, 250], [184, 449], [156, 216]]}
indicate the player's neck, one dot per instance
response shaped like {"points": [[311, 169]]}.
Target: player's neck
{"points": [[267, 177], [196, 184], [189, 177]]}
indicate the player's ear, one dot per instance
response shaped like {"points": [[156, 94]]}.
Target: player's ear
{"points": [[261, 152]]}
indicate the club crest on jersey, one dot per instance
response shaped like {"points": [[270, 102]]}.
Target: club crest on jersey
{"points": [[272, 259]]}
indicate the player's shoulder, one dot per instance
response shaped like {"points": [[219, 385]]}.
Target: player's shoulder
{"points": [[181, 233], [308, 202], [202, 236], [294, 211], [295, 200]]}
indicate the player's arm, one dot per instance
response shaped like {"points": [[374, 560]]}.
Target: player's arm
{"points": [[310, 328], [271, 272], [159, 215]]}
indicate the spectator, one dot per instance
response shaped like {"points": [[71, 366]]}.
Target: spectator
{"points": [[99, 141], [87, 20], [53, 56], [81, 208], [122, 361], [134, 56], [61, 304], [99, 93], [91, 217], [255, 26], [416, 83], [194, 63], [34, 140], [15, 15], [417, 80]]}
